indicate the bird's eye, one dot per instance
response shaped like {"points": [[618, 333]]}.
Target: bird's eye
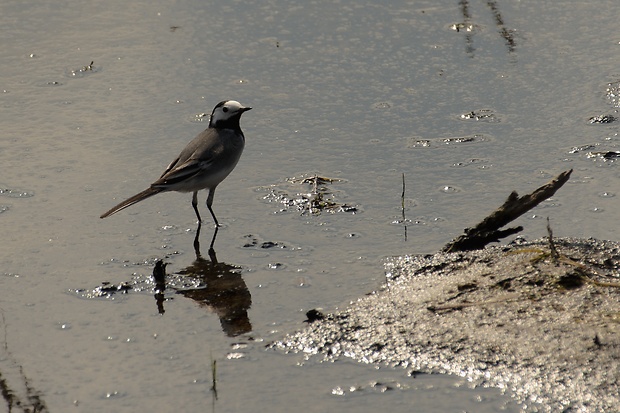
{"points": [[224, 109]]}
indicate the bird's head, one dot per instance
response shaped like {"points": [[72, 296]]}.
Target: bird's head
{"points": [[226, 114]]}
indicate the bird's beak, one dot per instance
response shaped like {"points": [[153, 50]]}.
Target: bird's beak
{"points": [[246, 109]]}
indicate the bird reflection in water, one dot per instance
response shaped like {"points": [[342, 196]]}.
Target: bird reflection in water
{"points": [[224, 290]]}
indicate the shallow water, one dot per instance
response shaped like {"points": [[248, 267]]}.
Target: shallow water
{"points": [[358, 91]]}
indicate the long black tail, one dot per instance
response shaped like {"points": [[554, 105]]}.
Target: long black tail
{"points": [[147, 193]]}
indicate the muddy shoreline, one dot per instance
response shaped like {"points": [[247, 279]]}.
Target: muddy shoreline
{"points": [[544, 328]]}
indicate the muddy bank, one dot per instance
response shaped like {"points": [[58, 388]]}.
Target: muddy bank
{"points": [[542, 326]]}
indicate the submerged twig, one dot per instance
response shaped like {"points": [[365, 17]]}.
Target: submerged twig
{"points": [[402, 206], [214, 377], [554, 252]]}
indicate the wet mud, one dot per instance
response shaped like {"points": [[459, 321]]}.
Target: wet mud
{"points": [[542, 326]]}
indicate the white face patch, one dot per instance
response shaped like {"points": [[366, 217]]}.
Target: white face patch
{"points": [[226, 111]]}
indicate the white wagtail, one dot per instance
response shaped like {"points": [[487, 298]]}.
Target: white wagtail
{"points": [[204, 162]]}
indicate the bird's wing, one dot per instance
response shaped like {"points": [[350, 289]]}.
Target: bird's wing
{"points": [[201, 150], [170, 167], [180, 173]]}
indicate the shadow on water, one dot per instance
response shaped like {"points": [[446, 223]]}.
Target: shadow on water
{"points": [[222, 288]]}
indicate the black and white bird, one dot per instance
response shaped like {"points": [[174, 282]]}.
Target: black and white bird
{"points": [[204, 163]]}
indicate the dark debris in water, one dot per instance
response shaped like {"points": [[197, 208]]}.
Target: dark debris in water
{"points": [[602, 119], [590, 152], [611, 155], [454, 140], [318, 198], [252, 241], [83, 71], [459, 140], [419, 143], [14, 193], [314, 180], [464, 27], [582, 148], [107, 288], [481, 115], [140, 283], [605, 155], [382, 105]]}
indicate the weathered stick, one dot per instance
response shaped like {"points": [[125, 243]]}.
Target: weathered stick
{"points": [[489, 230], [402, 206]]}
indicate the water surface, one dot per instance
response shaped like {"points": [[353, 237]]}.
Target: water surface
{"points": [[363, 92]]}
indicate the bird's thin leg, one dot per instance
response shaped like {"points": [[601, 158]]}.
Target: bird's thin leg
{"points": [[209, 203], [195, 205]]}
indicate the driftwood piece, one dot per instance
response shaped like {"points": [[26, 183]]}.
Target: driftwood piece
{"points": [[489, 230]]}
